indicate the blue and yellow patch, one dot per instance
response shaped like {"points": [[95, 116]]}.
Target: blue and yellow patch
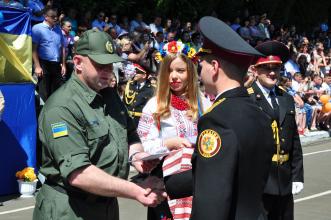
{"points": [[59, 129]]}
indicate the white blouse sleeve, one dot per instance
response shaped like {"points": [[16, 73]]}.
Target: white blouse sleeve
{"points": [[148, 130]]}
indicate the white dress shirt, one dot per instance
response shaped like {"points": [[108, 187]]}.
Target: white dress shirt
{"points": [[266, 93]]}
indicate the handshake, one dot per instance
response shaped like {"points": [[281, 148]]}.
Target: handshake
{"points": [[152, 188], [152, 192]]}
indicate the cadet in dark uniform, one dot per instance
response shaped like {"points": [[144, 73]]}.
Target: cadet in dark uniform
{"points": [[230, 162], [286, 174], [137, 92], [86, 134]]}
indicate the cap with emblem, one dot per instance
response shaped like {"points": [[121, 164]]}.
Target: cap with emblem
{"points": [[219, 39], [98, 46], [275, 52]]}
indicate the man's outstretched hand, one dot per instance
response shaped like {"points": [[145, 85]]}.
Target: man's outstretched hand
{"points": [[144, 166]]}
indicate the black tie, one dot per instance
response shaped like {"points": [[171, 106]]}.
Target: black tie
{"points": [[274, 104]]}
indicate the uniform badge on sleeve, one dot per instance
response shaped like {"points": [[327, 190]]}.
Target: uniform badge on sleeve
{"points": [[59, 129], [209, 143]]}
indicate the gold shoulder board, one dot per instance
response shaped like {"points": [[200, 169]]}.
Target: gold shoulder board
{"points": [[250, 90]]}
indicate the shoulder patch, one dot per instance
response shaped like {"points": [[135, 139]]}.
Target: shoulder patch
{"points": [[209, 143], [59, 129]]}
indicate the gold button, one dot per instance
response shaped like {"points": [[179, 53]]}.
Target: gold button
{"points": [[281, 128], [282, 151], [283, 140]]}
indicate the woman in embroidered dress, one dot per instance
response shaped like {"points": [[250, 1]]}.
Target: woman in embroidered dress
{"points": [[169, 122]]}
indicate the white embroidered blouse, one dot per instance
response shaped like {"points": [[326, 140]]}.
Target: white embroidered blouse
{"points": [[177, 124]]}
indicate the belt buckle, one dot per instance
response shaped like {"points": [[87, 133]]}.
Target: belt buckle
{"points": [[281, 159]]}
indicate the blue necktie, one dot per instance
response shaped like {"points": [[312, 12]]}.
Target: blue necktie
{"points": [[275, 105]]}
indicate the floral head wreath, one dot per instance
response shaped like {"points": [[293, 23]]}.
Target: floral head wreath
{"points": [[176, 47]]}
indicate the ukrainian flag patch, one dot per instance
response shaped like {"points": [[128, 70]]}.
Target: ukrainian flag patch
{"points": [[59, 129]]}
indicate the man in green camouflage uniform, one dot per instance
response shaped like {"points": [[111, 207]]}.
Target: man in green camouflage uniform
{"points": [[87, 136]]}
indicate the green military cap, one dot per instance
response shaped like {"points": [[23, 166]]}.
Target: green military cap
{"points": [[98, 46]]}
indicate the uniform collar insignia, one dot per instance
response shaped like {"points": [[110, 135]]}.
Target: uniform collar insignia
{"points": [[258, 96]]}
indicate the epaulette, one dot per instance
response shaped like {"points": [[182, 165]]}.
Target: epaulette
{"points": [[282, 88], [214, 105], [250, 90]]}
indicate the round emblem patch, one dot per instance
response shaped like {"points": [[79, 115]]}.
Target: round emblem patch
{"points": [[109, 47], [209, 143]]}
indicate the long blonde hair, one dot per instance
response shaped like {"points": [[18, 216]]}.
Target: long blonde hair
{"points": [[163, 92]]}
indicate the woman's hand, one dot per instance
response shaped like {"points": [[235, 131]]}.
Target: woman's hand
{"points": [[176, 143]]}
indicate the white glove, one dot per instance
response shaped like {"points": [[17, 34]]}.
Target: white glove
{"points": [[297, 187]]}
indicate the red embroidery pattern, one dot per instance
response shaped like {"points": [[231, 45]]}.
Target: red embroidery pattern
{"points": [[145, 123], [181, 128], [179, 103]]}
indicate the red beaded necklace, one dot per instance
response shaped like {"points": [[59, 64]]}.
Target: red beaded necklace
{"points": [[179, 103]]}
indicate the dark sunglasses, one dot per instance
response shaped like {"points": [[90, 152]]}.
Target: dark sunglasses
{"points": [[268, 68]]}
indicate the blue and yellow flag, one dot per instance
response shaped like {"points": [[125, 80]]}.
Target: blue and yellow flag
{"points": [[59, 129], [15, 45]]}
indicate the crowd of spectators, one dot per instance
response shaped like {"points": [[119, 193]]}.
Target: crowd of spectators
{"points": [[306, 75]]}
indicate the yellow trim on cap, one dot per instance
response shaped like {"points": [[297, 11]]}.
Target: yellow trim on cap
{"points": [[204, 50], [267, 62]]}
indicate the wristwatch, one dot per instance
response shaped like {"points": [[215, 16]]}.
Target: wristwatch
{"points": [[131, 157]]}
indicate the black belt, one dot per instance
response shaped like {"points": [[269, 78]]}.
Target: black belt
{"points": [[50, 62], [79, 195]]}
